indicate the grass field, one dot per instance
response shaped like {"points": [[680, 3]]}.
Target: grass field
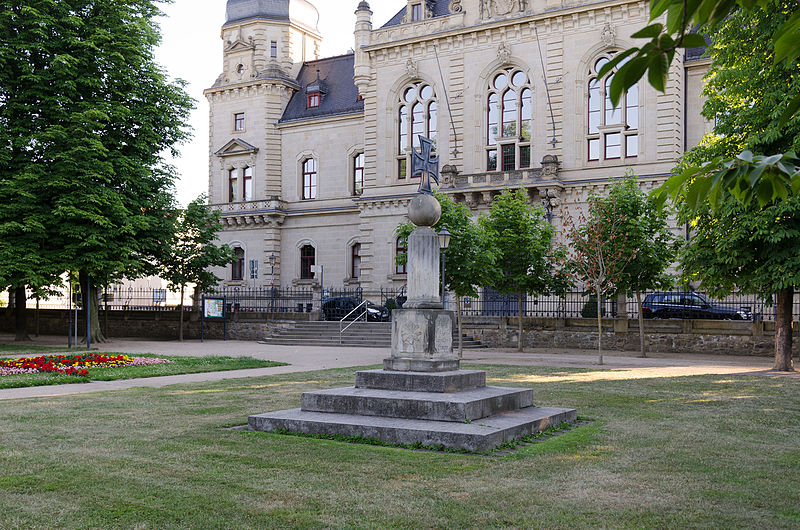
{"points": [[180, 365], [690, 452]]}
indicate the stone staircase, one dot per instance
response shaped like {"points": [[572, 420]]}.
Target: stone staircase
{"points": [[360, 334]]}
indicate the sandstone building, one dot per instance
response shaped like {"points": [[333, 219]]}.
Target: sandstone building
{"points": [[309, 156]]}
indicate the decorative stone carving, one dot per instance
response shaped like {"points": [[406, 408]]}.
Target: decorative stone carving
{"points": [[455, 6], [449, 174], [609, 35], [494, 8], [412, 69], [504, 53], [550, 165]]}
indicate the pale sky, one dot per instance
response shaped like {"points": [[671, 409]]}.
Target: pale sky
{"points": [[192, 50]]}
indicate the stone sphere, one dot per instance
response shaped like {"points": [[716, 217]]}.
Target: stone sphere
{"points": [[424, 210]]}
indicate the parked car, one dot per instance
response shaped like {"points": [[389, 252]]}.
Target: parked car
{"points": [[341, 306], [690, 305]]}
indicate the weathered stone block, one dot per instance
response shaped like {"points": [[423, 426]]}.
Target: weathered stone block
{"points": [[448, 382]]}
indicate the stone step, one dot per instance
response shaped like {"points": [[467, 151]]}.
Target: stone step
{"points": [[324, 343], [483, 435], [421, 381], [468, 405]]}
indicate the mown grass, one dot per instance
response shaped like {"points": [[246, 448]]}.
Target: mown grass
{"points": [[689, 452], [180, 365]]}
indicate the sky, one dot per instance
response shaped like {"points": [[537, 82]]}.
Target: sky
{"points": [[191, 50]]}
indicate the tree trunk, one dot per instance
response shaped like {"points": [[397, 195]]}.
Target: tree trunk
{"points": [[180, 326], [90, 303], [519, 321], [783, 331], [460, 334], [640, 312], [21, 314], [599, 326]]}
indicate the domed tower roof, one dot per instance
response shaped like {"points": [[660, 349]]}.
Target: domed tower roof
{"points": [[301, 11]]}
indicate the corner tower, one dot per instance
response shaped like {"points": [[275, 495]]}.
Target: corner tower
{"points": [[265, 43]]}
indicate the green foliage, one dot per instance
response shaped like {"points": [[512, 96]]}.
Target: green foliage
{"points": [[745, 248], [527, 261], [191, 250], [753, 89], [85, 118], [469, 256], [648, 241]]}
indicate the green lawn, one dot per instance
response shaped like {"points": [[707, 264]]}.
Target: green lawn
{"points": [[688, 452], [181, 365]]}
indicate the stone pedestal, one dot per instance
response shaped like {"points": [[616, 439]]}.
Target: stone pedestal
{"points": [[423, 270], [422, 341]]}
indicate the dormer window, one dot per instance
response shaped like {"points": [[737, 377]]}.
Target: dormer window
{"points": [[313, 100], [416, 12]]}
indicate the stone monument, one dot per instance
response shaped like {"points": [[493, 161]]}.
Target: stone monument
{"points": [[421, 396]]}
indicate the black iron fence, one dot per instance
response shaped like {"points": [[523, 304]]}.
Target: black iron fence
{"points": [[583, 305], [268, 299]]}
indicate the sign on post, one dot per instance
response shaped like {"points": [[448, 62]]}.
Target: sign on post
{"points": [[214, 309]]}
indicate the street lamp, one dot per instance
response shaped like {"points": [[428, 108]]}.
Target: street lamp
{"points": [[444, 243]]}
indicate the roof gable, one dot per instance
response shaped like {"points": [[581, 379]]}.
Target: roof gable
{"points": [[237, 146]]}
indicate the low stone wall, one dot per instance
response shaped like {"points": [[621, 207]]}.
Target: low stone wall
{"points": [[159, 325], [725, 337]]}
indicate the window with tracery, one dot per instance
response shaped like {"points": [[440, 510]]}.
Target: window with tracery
{"points": [[613, 132], [509, 120], [417, 115], [309, 179]]}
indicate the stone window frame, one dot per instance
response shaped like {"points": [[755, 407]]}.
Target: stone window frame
{"points": [[406, 136], [237, 266], [628, 130], [313, 185], [355, 191], [353, 247], [400, 270], [517, 142], [273, 49], [238, 168], [303, 243], [239, 122]]}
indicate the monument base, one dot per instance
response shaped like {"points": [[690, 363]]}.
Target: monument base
{"points": [[422, 341]]}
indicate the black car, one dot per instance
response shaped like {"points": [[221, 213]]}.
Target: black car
{"points": [[342, 307], [689, 305]]}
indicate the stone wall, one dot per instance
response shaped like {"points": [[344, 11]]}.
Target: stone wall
{"points": [[664, 336], [159, 325]]}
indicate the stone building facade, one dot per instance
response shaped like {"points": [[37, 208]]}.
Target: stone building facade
{"points": [[310, 157]]}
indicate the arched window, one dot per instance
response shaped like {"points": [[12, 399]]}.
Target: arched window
{"points": [[417, 115], [355, 261], [358, 174], [509, 120], [308, 258], [247, 184], [309, 179], [233, 181], [401, 247], [237, 267], [612, 132]]}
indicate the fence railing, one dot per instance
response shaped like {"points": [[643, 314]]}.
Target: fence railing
{"points": [[582, 305], [268, 299]]}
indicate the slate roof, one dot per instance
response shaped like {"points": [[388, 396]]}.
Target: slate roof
{"points": [[439, 8], [237, 10], [340, 95]]}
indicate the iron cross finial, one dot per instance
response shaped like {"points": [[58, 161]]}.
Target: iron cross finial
{"points": [[423, 164]]}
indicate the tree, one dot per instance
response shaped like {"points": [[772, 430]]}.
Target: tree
{"points": [[766, 178], [526, 260], [191, 251], [468, 258], [102, 115], [599, 252], [648, 241], [746, 90]]}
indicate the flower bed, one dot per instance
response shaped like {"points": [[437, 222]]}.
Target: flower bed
{"points": [[77, 365]]}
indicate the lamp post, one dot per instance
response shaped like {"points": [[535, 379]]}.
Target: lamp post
{"points": [[444, 243]]}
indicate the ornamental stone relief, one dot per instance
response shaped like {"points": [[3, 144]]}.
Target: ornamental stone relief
{"points": [[496, 8]]}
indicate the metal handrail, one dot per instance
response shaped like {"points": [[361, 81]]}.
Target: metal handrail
{"points": [[341, 322]]}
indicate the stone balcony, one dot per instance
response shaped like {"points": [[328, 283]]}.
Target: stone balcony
{"points": [[252, 214]]}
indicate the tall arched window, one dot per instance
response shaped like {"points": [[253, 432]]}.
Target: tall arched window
{"points": [[355, 261], [358, 174], [309, 179], [247, 184], [417, 115], [509, 120], [308, 258], [233, 181], [401, 247], [613, 132], [237, 267]]}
